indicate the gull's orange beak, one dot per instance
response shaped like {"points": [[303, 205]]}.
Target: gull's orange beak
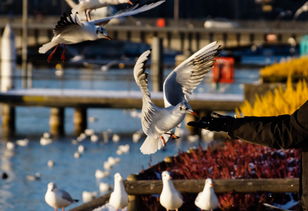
{"points": [[192, 113], [174, 136], [129, 2]]}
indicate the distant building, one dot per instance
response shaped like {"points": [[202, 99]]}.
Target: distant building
{"points": [[189, 9]]}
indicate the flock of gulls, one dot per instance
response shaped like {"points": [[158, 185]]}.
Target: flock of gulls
{"points": [[157, 123], [170, 198]]}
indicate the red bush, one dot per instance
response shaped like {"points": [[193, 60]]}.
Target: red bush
{"points": [[235, 160]]}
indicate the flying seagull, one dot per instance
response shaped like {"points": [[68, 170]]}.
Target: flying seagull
{"points": [[70, 30], [86, 6], [178, 86]]}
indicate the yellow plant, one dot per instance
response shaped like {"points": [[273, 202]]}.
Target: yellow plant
{"points": [[297, 67], [280, 101]]}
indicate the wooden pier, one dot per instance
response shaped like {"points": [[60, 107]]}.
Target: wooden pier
{"points": [[81, 100]]}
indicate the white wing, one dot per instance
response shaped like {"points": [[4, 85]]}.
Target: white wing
{"points": [[130, 12], [180, 83], [148, 108], [302, 9]]}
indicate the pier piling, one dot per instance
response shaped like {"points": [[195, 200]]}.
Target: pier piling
{"points": [[80, 120], [56, 121], [8, 67], [8, 120], [157, 64], [133, 200]]}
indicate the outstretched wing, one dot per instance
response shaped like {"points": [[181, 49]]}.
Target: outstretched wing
{"points": [[302, 9], [148, 108], [67, 22], [180, 83], [129, 12]]}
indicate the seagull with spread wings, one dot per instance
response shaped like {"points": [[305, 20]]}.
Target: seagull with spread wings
{"points": [[178, 86], [86, 6], [70, 30]]}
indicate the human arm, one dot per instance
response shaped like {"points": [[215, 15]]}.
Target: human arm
{"points": [[284, 131]]}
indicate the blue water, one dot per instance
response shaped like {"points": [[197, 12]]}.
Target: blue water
{"points": [[76, 175]]}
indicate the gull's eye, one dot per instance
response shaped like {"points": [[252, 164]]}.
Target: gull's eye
{"points": [[181, 108]]}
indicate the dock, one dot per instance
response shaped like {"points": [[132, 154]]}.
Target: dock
{"points": [[81, 100]]}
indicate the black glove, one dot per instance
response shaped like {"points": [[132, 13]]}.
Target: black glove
{"points": [[214, 122]]}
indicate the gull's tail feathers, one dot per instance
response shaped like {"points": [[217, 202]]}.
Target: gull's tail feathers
{"points": [[150, 145], [46, 47]]}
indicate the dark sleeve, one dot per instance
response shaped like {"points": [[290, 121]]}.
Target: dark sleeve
{"points": [[284, 131]]}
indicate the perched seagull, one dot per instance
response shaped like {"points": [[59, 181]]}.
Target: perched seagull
{"points": [[207, 199], [70, 30], [58, 198], [157, 122], [86, 6], [118, 198], [169, 198], [302, 9]]}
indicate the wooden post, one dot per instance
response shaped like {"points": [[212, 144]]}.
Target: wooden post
{"points": [[56, 121], [176, 10], [8, 120], [157, 64], [303, 178], [133, 200], [24, 41], [80, 120]]}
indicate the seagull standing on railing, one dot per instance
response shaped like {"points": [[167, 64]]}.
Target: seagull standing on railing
{"points": [[158, 122], [118, 198], [70, 30], [58, 198], [86, 6], [207, 199], [170, 198]]}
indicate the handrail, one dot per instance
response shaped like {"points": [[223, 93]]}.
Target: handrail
{"points": [[143, 187]]}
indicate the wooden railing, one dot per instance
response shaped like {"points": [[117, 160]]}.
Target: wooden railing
{"points": [[143, 187]]}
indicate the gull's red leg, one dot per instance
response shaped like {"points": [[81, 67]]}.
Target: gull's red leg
{"points": [[63, 53], [52, 53], [172, 135], [163, 140]]}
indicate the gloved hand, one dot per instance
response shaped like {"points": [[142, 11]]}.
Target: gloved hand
{"points": [[214, 122]]}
